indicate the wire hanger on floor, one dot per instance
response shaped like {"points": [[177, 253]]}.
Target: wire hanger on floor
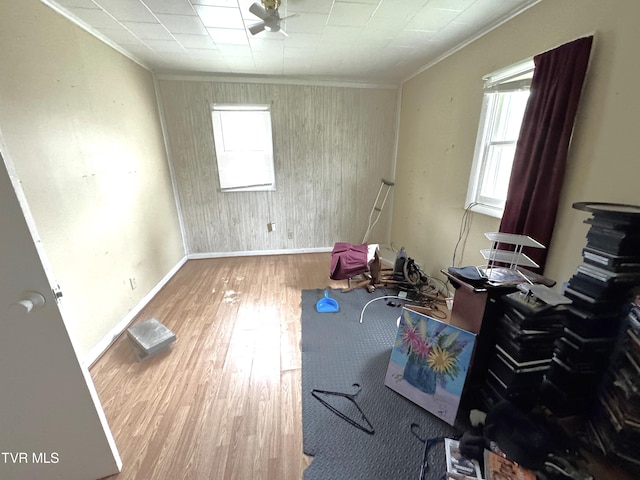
{"points": [[428, 443], [352, 398]]}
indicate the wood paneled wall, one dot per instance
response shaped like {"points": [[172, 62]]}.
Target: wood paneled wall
{"points": [[332, 147]]}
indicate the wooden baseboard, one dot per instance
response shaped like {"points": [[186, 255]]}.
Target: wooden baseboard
{"points": [[257, 253]]}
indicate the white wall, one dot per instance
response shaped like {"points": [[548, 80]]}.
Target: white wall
{"points": [[82, 126]]}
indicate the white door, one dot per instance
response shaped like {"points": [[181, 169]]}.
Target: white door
{"points": [[51, 422]]}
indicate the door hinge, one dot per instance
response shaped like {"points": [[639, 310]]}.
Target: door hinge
{"points": [[57, 293]]}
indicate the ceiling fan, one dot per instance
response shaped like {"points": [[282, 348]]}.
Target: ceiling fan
{"points": [[269, 16]]}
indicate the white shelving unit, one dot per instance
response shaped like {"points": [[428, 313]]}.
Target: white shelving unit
{"points": [[513, 258]]}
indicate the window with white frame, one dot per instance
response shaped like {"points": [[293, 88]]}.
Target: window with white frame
{"points": [[505, 97], [244, 149]]}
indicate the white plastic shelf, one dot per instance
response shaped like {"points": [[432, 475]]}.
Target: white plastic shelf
{"points": [[513, 258], [509, 257], [513, 239]]}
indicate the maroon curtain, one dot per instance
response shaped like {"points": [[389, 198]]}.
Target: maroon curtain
{"points": [[541, 151]]}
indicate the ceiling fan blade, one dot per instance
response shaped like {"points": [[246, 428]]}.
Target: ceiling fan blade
{"points": [[284, 18], [258, 11], [256, 28]]}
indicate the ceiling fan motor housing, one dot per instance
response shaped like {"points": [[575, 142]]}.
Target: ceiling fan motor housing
{"points": [[272, 24], [271, 4]]}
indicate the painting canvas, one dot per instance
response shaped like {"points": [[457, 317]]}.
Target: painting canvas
{"points": [[429, 363]]}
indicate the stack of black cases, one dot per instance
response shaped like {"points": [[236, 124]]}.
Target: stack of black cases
{"points": [[615, 423], [525, 336], [598, 290]]}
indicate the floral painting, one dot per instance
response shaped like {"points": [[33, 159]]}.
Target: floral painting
{"points": [[429, 363]]}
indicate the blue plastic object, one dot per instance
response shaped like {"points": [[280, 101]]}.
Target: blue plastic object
{"points": [[327, 304]]}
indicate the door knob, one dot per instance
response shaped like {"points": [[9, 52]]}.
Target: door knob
{"points": [[30, 301]]}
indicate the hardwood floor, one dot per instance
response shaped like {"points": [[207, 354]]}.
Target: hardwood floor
{"points": [[224, 402]]}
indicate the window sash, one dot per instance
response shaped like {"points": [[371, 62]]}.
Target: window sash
{"points": [[505, 96], [243, 146], [495, 174]]}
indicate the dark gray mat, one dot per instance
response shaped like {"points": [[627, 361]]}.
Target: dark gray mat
{"points": [[338, 351]]}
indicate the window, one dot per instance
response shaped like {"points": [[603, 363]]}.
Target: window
{"points": [[505, 97], [244, 150]]}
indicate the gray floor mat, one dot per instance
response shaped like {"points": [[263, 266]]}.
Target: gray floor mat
{"points": [[339, 351]]}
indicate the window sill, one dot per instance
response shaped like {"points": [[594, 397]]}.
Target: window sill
{"points": [[488, 210], [271, 188]]}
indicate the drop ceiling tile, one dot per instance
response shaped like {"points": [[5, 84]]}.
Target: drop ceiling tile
{"points": [[296, 53], [178, 59], [216, 3], [377, 34], [171, 63], [209, 56], [165, 46], [204, 53], [232, 56], [195, 41], [365, 50], [326, 69], [457, 5], [497, 8], [228, 36], [412, 38], [433, 19], [304, 40], [455, 32], [306, 23], [235, 51], [120, 36], [174, 7], [274, 55], [369, 2], [270, 47], [77, 3], [270, 64], [241, 63], [296, 69], [399, 52], [399, 10], [350, 14], [244, 8], [127, 10], [382, 27], [220, 17], [182, 24], [327, 56], [141, 49], [143, 53], [95, 18], [309, 6], [265, 34], [148, 31], [215, 67], [262, 60], [498, 12], [344, 36], [471, 16]]}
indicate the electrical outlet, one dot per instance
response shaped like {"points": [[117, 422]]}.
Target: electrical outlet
{"points": [[290, 235], [132, 282], [271, 227]]}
